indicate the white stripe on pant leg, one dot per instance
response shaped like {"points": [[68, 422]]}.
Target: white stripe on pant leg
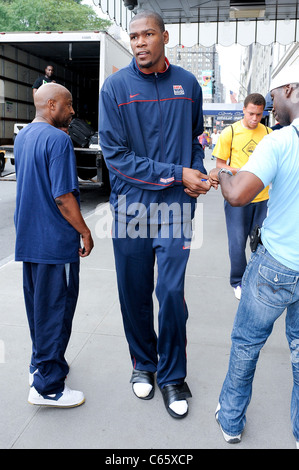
{"points": [[67, 273]]}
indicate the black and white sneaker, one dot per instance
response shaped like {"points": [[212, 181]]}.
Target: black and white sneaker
{"points": [[230, 439]]}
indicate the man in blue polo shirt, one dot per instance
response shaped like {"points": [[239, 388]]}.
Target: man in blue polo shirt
{"points": [[49, 226], [271, 281]]}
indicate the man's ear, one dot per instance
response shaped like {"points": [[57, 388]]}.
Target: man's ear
{"points": [[288, 90], [52, 104], [166, 37]]}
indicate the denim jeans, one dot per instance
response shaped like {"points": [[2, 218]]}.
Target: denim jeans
{"points": [[268, 288], [239, 223]]}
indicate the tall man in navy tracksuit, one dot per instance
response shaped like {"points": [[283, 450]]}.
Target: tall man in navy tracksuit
{"points": [[150, 117]]}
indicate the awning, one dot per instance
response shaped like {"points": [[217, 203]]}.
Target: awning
{"points": [[226, 111], [223, 111], [224, 22]]}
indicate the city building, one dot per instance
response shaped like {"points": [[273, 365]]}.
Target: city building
{"points": [[203, 62]]}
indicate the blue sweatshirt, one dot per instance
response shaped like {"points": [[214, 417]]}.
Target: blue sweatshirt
{"points": [[149, 126]]}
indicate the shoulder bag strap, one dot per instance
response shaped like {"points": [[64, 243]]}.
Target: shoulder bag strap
{"points": [[296, 130], [231, 144]]}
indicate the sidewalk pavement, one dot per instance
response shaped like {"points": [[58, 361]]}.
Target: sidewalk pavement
{"points": [[112, 417]]}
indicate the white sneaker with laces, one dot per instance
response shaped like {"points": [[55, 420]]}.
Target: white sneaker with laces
{"points": [[68, 398], [230, 439], [238, 292]]}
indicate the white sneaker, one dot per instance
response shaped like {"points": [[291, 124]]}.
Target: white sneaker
{"points": [[67, 399], [230, 439], [238, 292], [297, 444]]}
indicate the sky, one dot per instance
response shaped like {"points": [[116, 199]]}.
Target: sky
{"points": [[229, 60]]}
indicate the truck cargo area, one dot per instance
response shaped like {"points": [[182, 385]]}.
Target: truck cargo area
{"points": [[81, 61]]}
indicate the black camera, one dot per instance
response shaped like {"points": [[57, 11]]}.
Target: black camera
{"points": [[255, 238]]}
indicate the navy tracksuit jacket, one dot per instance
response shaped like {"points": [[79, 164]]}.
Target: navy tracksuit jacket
{"points": [[149, 126]]}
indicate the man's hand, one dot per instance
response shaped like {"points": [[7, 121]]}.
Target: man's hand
{"points": [[196, 183], [87, 244], [239, 189], [213, 177]]}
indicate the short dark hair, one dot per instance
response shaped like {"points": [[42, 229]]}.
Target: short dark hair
{"points": [[150, 14], [256, 99]]}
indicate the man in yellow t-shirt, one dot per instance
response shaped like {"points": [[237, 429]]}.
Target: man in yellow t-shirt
{"points": [[233, 149]]}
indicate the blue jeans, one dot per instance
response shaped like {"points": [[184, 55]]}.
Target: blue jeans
{"points": [[240, 221], [268, 288]]}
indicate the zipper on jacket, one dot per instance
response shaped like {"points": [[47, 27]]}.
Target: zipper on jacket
{"points": [[161, 120]]}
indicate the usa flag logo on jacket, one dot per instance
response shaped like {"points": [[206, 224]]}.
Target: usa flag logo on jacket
{"points": [[178, 90]]}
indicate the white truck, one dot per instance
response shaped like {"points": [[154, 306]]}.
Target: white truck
{"points": [[81, 60]]}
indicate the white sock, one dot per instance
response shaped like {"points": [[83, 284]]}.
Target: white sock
{"points": [[179, 407], [142, 390]]}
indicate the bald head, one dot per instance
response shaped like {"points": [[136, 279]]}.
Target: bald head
{"points": [[53, 103], [49, 91]]}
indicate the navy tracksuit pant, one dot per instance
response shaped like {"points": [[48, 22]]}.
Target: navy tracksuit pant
{"points": [[135, 260], [240, 221], [50, 293]]}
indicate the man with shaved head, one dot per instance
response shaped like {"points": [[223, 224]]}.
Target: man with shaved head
{"points": [[49, 226]]}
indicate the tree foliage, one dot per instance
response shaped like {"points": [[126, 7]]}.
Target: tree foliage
{"points": [[49, 15]]}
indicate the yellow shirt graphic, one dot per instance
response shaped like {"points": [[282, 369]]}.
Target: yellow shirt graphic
{"points": [[237, 145]]}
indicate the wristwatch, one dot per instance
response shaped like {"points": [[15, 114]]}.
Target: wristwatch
{"points": [[224, 170]]}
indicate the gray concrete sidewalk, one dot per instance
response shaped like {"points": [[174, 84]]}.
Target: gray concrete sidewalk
{"points": [[112, 417]]}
